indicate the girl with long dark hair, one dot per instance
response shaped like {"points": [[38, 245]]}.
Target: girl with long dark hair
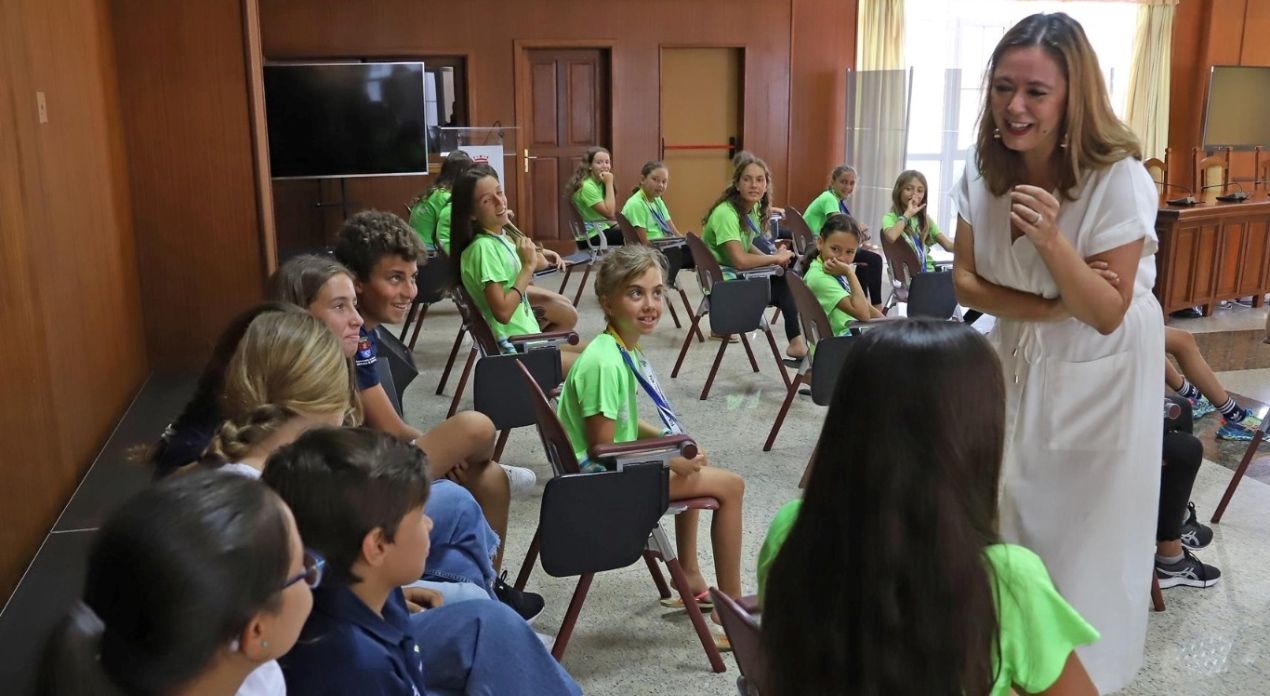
{"points": [[429, 212]]}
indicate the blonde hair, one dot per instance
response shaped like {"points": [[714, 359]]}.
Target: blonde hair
{"points": [[286, 364], [1094, 136], [624, 264], [301, 278]]}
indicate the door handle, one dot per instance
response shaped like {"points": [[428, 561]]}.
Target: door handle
{"points": [[527, 158]]}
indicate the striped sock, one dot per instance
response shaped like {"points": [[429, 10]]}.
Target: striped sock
{"points": [[1187, 390], [1231, 411]]}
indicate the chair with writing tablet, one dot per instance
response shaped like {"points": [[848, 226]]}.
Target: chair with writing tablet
{"points": [[631, 235]]}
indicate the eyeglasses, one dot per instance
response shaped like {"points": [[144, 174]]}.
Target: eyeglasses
{"points": [[314, 564]]}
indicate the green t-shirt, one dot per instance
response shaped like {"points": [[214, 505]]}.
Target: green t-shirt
{"points": [[599, 382], [912, 235], [1038, 628], [492, 259], [584, 199], [723, 226], [639, 211], [443, 227], [425, 215], [829, 292], [826, 204]]}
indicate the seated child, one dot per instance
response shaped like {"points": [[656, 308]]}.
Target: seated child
{"points": [[1177, 530], [358, 496], [842, 182], [196, 585], [911, 509], [1206, 393], [593, 194], [598, 406], [831, 275], [907, 218], [426, 210]]}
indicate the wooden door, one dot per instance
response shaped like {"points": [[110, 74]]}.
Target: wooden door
{"points": [[567, 111], [701, 94]]}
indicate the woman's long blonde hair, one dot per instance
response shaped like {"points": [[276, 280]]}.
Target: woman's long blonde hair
{"points": [[1094, 136], [287, 363]]}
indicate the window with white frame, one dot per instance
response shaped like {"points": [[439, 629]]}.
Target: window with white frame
{"points": [[947, 44]]}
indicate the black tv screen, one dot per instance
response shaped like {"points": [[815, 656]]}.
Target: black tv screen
{"points": [[346, 119], [1238, 112]]}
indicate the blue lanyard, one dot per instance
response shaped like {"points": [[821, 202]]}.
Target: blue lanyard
{"points": [[842, 207], [649, 383], [661, 222], [524, 296], [749, 222], [920, 248]]}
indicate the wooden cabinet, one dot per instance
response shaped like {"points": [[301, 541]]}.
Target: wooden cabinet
{"points": [[1213, 252]]}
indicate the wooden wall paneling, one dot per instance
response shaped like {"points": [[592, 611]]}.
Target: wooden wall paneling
{"points": [[1208, 242], [1231, 241], [1253, 268], [188, 120], [253, 54], [817, 98]]}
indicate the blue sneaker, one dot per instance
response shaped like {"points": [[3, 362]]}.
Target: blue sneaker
{"points": [[1241, 431], [1201, 407]]}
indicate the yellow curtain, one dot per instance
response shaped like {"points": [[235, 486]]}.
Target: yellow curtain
{"points": [[1148, 112], [880, 40], [878, 95]]}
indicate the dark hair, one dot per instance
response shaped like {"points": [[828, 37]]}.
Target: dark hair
{"points": [[455, 164], [463, 226], [897, 206], [839, 171], [732, 194], [910, 508], [185, 439], [371, 235], [649, 167], [300, 279], [835, 223], [174, 575], [341, 484], [584, 168], [1095, 136]]}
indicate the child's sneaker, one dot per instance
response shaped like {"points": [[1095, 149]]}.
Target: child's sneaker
{"points": [[1194, 534], [1189, 572], [1201, 407], [1240, 431]]}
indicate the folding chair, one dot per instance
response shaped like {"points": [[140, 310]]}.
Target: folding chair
{"points": [[932, 295], [630, 235], [395, 367], [902, 261], [744, 635], [629, 500], [1258, 436], [589, 256], [486, 345], [803, 236], [735, 308], [433, 280]]}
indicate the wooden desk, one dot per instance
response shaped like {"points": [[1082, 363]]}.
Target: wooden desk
{"points": [[1212, 252]]}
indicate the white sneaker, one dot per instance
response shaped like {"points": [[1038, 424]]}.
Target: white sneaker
{"points": [[521, 480]]}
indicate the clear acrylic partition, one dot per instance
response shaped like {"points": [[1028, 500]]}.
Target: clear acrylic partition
{"points": [[494, 145]]}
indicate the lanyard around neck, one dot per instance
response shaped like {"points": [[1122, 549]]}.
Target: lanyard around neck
{"points": [[649, 384]]}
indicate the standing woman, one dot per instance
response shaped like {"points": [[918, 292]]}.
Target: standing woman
{"points": [[832, 200], [591, 190], [426, 210], [730, 229], [1056, 184]]}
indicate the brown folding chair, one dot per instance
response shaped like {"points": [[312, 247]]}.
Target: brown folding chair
{"points": [[1211, 171], [744, 634], [560, 532], [433, 282], [592, 250], [631, 236], [904, 266], [735, 308], [803, 236], [1258, 436]]}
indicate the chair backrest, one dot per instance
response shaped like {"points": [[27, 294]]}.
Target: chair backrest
{"points": [[736, 307], [1211, 171], [554, 440], [475, 322], [433, 279], [499, 392], [902, 259], [826, 367], [1159, 170], [804, 237], [746, 639], [932, 295], [708, 270], [395, 367], [629, 234], [578, 228], [811, 315]]}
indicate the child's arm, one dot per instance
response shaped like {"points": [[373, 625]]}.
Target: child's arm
{"points": [[942, 240], [381, 416], [608, 206], [601, 431], [503, 303], [857, 302], [1074, 681], [743, 260]]}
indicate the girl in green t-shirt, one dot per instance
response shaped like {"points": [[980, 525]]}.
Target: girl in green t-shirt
{"points": [[645, 209], [831, 275], [833, 199], [494, 261], [426, 209], [907, 218], [598, 406], [925, 598], [593, 194], [734, 220]]}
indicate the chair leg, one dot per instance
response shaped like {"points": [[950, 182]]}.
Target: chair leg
{"points": [[660, 580], [776, 353], [1257, 437], [449, 364], [1157, 597], [674, 316], [694, 613], [749, 352], [776, 314], [458, 390], [718, 358], [780, 415], [701, 338], [414, 337], [571, 616], [405, 325], [695, 326], [582, 285], [527, 566], [568, 271], [502, 442]]}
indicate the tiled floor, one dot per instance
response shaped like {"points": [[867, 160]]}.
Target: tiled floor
{"points": [[1207, 642]]}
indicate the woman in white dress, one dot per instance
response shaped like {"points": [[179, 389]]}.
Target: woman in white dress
{"points": [[1055, 238]]}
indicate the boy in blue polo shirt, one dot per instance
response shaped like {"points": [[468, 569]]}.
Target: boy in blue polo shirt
{"points": [[357, 496]]}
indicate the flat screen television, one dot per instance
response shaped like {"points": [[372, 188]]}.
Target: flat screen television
{"points": [[1238, 110], [346, 119]]}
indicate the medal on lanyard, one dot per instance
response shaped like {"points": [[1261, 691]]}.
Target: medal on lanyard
{"points": [[507, 247], [650, 386], [661, 222]]}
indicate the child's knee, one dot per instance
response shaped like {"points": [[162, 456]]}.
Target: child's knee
{"points": [[474, 425]]}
